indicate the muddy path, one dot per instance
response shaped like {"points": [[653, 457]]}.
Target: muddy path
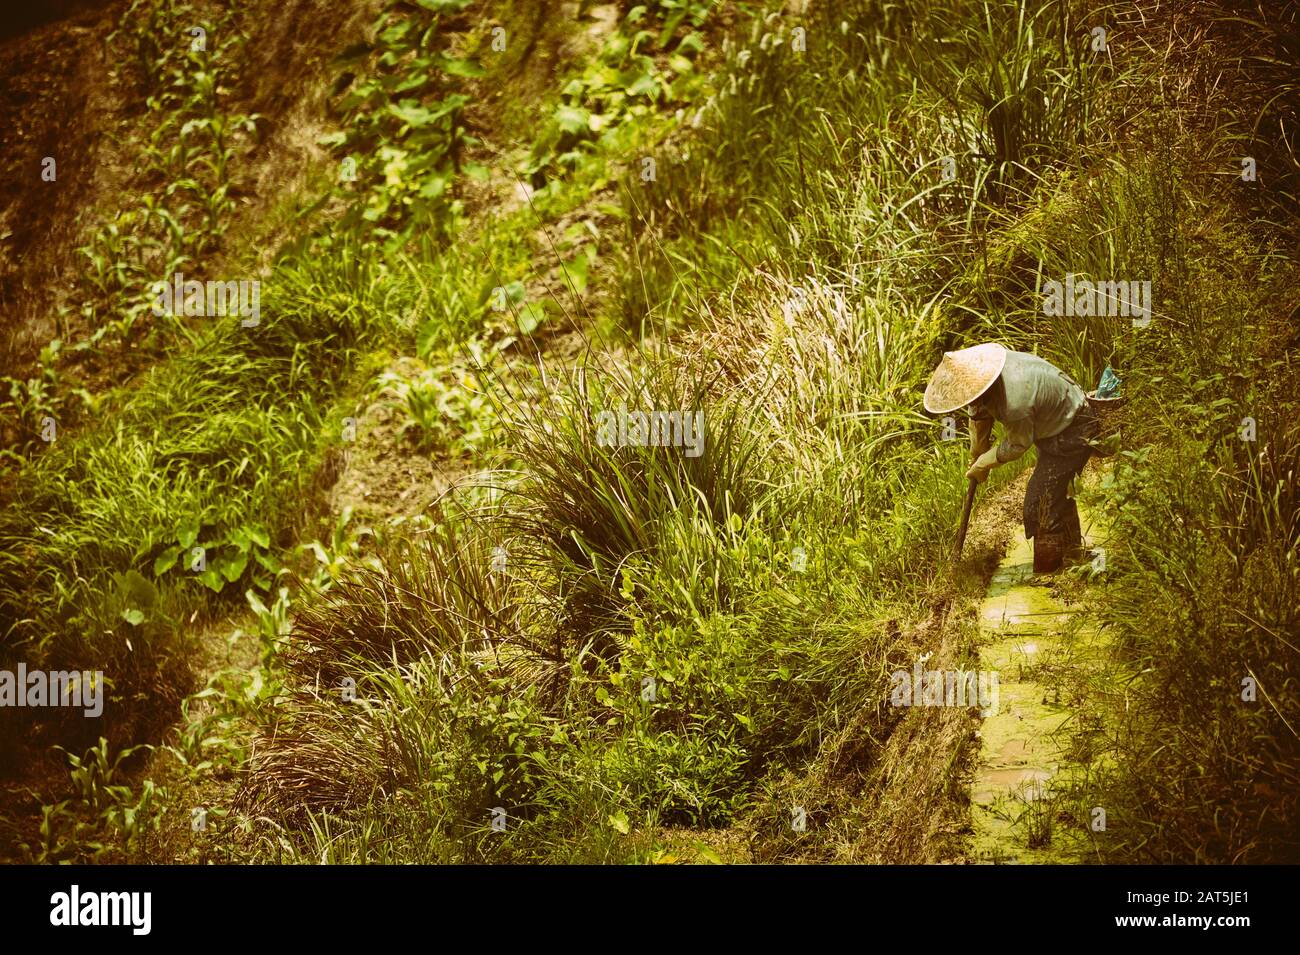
{"points": [[1029, 779]]}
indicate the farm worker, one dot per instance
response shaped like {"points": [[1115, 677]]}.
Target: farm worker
{"points": [[1036, 404]]}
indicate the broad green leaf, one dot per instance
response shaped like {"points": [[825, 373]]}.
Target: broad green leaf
{"points": [[455, 67], [187, 534], [707, 853], [415, 115], [644, 85], [434, 186], [411, 113], [393, 35], [576, 271], [212, 580], [239, 538], [531, 315], [691, 43], [572, 119], [167, 560], [269, 562], [232, 567]]}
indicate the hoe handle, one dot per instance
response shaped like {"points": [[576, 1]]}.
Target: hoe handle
{"points": [[965, 516]]}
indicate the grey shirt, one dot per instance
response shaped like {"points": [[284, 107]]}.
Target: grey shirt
{"points": [[1036, 400]]}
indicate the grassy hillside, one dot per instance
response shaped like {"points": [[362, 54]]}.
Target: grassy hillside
{"points": [[436, 617]]}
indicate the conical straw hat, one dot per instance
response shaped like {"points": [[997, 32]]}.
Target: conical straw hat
{"points": [[963, 376]]}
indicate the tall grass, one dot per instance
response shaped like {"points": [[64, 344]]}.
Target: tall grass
{"points": [[599, 644], [1205, 532], [684, 629]]}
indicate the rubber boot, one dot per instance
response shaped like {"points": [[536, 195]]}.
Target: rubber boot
{"points": [[1049, 552], [1073, 531]]}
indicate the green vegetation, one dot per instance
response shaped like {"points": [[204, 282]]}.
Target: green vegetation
{"points": [[186, 158], [633, 654], [402, 139]]}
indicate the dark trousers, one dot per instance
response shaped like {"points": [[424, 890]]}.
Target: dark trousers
{"points": [[1060, 458]]}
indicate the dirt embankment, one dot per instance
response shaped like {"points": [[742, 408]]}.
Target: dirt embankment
{"points": [[55, 106], [60, 102]]}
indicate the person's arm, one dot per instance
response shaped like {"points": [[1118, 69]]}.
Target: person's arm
{"points": [[1016, 440], [981, 435], [1019, 435]]}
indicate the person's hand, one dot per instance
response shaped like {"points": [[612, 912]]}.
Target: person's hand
{"points": [[986, 462]]}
